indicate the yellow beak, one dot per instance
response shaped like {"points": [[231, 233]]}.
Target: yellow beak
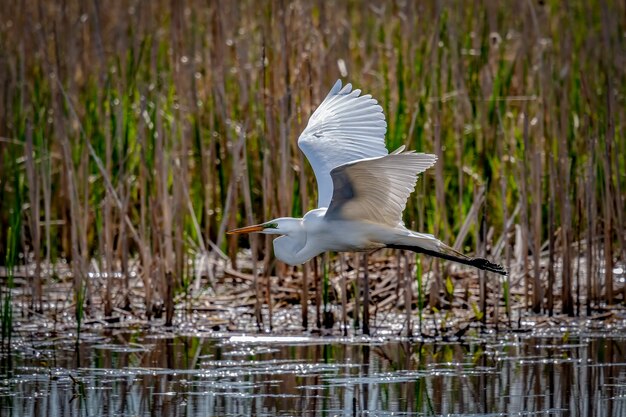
{"points": [[247, 229]]}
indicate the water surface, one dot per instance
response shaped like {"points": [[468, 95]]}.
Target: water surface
{"points": [[137, 374]]}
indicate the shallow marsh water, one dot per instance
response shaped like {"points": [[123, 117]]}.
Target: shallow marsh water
{"points": [[137, 374]]}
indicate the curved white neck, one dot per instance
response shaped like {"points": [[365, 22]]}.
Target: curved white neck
{"points": [[291, 249]]}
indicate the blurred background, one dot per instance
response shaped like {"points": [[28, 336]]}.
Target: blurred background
{"points": [[133, 134]]}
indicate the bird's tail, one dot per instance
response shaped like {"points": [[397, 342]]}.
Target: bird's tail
{"points": [[430, 245]]}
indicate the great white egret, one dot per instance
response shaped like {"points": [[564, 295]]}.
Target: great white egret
{"points": [[362, 189]]}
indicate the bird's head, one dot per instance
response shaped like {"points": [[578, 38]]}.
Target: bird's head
{"points": [[287, 248], [280, 226]]}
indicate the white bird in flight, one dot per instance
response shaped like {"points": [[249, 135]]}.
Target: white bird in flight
{"points": [[362, 189]]}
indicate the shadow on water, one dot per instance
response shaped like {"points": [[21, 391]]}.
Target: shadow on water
{"points": [[134, 374]]}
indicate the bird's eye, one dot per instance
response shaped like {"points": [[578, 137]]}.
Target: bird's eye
{"points": [[272, 225]]}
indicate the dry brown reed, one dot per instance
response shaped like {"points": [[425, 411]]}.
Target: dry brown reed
{"points": [[138, 132]]}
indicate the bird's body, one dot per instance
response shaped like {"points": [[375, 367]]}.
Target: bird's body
{"points": [[362, 189], [319, 235], [314, 234]]}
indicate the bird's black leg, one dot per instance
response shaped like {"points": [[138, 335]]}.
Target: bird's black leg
{"points": [[480, 263]]}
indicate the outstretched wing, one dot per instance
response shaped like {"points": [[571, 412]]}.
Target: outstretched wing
{"points": [[344, 128], [376, 189]]}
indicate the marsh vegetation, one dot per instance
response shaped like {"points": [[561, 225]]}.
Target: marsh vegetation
{"points": [[134, 134]]}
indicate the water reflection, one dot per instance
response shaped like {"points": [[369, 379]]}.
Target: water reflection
{"points": [[130, 374]]}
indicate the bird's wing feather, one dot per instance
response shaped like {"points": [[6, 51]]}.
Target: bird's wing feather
{"points": [[344, 128], [376, 189]]}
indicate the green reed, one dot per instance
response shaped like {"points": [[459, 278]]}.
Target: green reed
{"points": [[11, 258], [137, 129]]}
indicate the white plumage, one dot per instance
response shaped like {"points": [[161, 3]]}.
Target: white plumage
{"points": [[344, 128], [362, 189], [376, 189]]}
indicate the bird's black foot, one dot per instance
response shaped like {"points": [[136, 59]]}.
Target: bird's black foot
{"points": [[482, 263]]}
